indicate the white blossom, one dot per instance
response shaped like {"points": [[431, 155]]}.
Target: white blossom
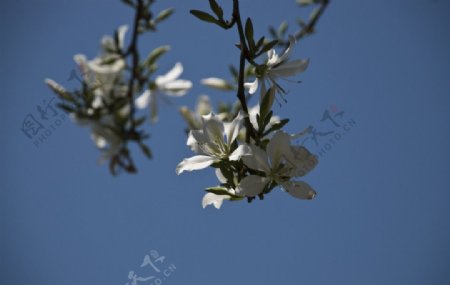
{"points": [[167, 84], [277, 67], [213, 143], [104, 73], [280, 163]]}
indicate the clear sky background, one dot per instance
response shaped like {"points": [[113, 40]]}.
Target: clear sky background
{"points": [[381, 215]]}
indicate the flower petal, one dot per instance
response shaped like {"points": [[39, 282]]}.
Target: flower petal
{"points": [[252, 113], [273, 58], [97, 102], [81, 61], [241, 151], [232, 129], [194, 163], [220, 176], [213, 199], [121, 31], [252, 86], [213, 129], [107, 43], [252, 185], [143, 100], [303, 161], [172, 75], [258, 160], [299, 189], [278, 148], [192, 143], [217, 83], [289, 68], [177, 87], [203, 105], [98, 66], [288, 51]]}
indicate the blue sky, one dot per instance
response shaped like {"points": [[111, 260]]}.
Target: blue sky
{"points": [[382, 209]]}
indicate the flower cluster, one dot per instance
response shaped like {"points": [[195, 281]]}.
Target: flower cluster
{"points": [[247, 170], [115, 84], [247, 145], [248, 148]]}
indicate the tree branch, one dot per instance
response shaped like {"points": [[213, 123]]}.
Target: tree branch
{"points": [[133, 50], [309, 27], [243, 56]]}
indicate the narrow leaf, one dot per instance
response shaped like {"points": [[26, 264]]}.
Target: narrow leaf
{"points": [[155, 54], [164, 14], [249, 33], [204, 16], [146, 150], [268, 46], [216, 9]]}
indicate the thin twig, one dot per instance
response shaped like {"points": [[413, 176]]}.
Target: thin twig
{"points": [[133, 50], [241, 90], [309, 27]]}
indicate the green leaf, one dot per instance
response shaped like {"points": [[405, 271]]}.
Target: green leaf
{"points": [[267, 119], [155, 54], [283, 28], [139, 121], [259, 43], [108, 60], [146, 150], [277, 126], [164, 14], [314, 14], [204, 17], [222, 191], [267, 102], [67, 108], [128, 2], [234, 72], [268, 46], [216, 9], [249, 33], [116, 40], [273, 32], [305, 2]]}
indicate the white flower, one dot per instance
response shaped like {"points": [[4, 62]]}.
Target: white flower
{"points": [[213, 143], [280, 163], [168, 84], [104, 73], [277, 67]]}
